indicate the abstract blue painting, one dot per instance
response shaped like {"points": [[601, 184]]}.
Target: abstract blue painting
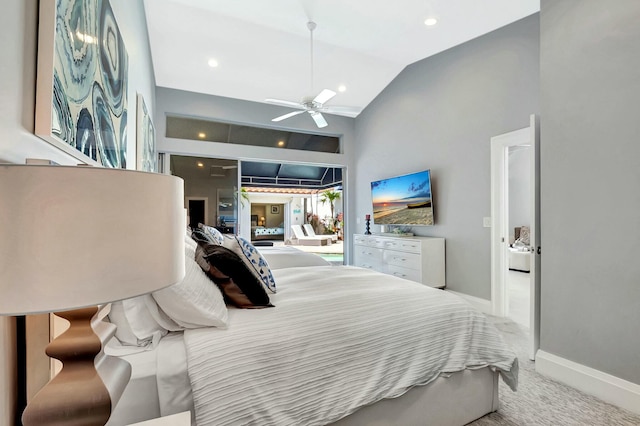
{"points": [[146, 139], [81, 95]]}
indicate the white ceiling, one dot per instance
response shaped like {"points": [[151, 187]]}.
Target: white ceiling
{"points": [[263, 46]]}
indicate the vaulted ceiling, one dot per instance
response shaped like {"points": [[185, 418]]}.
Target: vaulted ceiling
{"points": [[262, 48]]}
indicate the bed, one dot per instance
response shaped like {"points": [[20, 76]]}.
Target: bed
{"points": [[260, 232], [343, 345]]}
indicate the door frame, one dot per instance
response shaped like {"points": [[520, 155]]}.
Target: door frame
{"points": [[499, 233]]}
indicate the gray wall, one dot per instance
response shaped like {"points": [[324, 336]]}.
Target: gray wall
{"points": [[590, 146], [440, 113], [18, 50]]}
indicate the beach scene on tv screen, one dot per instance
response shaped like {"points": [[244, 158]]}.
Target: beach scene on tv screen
{"points": [[403, 200]]}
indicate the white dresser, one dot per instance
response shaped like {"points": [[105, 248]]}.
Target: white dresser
{"points": [[418, 259]]}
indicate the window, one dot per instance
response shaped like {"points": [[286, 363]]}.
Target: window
{"points": [[213, 131]]}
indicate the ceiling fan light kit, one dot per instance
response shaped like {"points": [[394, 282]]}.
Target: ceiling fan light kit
{"points": [[313, 105]]}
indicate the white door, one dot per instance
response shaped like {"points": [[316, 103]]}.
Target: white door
{"points": [[534, 244], [500, 232]]}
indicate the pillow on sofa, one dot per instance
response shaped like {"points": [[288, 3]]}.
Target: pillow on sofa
{"points": [[193, 302], [256, 263], [236, 281]]}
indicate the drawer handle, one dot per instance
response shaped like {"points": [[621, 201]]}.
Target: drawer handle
{"points": [[402, 259], [398, 274]]}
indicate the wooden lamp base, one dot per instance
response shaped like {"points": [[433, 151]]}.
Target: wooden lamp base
{"points": [[90, 382]]}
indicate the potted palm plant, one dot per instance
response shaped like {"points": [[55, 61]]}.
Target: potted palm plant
{"points": [[331, 196]]}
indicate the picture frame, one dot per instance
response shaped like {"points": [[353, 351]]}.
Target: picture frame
{"points": [[82, 81], [146, 153], [275, 209]]}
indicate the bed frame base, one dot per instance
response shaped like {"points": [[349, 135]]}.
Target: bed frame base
{"points": [[447, 401], [454, 401]]}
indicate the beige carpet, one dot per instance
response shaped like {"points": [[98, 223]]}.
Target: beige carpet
{"points": [[541, 401]]}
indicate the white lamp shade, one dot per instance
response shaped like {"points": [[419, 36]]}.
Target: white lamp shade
{"points": [[80, 236]]}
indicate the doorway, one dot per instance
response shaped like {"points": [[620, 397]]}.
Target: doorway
{"points": [[518, 181], [197, 210], [515, 259]]}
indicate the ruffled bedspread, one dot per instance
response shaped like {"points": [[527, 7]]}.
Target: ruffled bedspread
{"points": [[339, 338]]}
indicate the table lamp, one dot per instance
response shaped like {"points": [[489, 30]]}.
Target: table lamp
{"points": [[73, 238]]}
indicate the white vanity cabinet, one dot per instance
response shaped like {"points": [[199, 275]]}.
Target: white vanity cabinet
{"points": [[419, 259]]}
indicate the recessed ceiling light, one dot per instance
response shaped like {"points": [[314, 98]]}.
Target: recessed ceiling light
{"points": [[200, 164], [202, 135], [212, 63], [342, 88], [430, 22], [280, 143]]}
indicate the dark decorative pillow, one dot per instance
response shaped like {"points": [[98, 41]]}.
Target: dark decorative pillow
{"points": [[237, 282], [253, 259]]}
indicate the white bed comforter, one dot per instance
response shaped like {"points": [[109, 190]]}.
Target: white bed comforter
{"points": [[339, 338]]}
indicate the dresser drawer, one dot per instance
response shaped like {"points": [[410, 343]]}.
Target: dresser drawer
{"points": [[404, 259], [406, 273], [368, 257], [360, 240], [411, 246], [371, 253]]}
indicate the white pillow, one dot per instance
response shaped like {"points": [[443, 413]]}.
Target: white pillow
{"points": [[195, 301], [190, 242], [135, 324]]}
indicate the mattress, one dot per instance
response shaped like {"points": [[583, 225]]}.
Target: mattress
{"points": [[338, 339]]}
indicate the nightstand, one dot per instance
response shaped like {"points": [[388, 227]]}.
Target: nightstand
{"points": [[180, 419]]}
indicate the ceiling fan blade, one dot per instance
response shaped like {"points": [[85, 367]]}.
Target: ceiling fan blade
{"points": [[340, 109], [324, 96], [319, 119], [285, 103], [284, 117]]}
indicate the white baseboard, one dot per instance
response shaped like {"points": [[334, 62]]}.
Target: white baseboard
{"points": [[588, 380], [483, 305]]}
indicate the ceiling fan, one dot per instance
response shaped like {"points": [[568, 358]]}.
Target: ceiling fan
{"points": [[221, 170], [313, 105]]}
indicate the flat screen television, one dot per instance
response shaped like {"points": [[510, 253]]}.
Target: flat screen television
{"points": [[403, 200]]}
